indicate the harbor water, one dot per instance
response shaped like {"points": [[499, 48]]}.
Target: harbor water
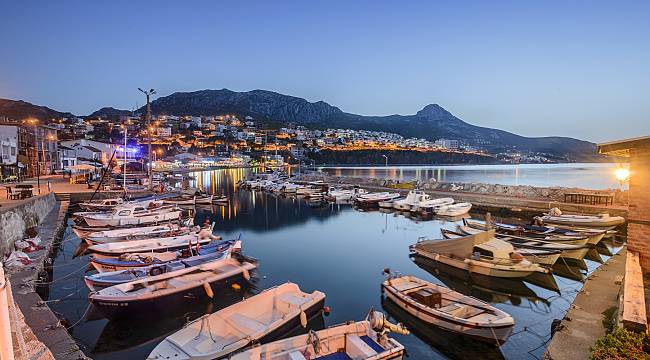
{"points": [[336, 249]]}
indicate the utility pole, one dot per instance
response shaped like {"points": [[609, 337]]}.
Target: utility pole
{"points": [[148, 95], [385, 157]]}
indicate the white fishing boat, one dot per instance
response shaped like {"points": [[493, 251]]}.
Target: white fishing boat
{"points": [[162, 244], [361, 340], [413, 199], [133, 215], [447, 309], [600, 221], [388, 204], [479, 253], [429, 207], [456, 209], [136, 233], [339, 195], [157, 293], [267, 315], [374, 198], [100, 205]]}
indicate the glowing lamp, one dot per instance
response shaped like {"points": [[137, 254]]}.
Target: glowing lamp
{"points": [[622, 174]]}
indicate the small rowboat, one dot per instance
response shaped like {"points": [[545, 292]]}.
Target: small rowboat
{"points": [[105, 279], [450, 310], [569, 251], [361, 340], [258, 319], [163, 244], [600, 221], [132, 261], [542, 232], [155, 294]]}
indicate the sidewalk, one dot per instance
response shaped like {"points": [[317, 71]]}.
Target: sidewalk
{"points": [[583, 323]]}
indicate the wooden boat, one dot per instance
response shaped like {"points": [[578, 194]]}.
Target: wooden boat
{"points": [[600, 221], [578, 239], [537, 256], [413, 199], [131, 261], [122, 275], [133, 215], [479, 253], [541, 232], [136, 233], [445, 308], [569, 251], [157, 293], [162, 244], [361, 340], [453, 209], [258, 319]]}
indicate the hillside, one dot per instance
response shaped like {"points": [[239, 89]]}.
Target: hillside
{"points": [[432, 122], [20, 110]]}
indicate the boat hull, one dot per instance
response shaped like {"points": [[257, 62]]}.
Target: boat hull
{"points": [[490, 334], [476, 266]]}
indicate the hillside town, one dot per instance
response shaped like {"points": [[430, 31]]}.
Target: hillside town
{"points": [[32, 147]]}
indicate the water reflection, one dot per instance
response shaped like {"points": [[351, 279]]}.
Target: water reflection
{"points": [[335, 249]]}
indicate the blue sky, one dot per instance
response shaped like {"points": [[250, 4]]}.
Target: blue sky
{"points": [[570, 68]]}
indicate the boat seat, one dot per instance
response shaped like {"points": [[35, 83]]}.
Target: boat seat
{"points": [[244, 324], [461, 311], [293, 299], [356, 348]]}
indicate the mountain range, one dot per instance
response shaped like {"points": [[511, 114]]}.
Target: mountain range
{"points": [[431, 122]]}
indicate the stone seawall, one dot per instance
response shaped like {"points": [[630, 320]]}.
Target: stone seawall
{"points": [[16, 219], [514, 191]]}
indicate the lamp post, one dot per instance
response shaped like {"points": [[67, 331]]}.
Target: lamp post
{"points": [[385, 157], [34, 122], [148, 95]]}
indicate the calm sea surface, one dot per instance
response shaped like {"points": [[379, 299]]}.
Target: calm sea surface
{"points": [[587, 176], [335, 249]]}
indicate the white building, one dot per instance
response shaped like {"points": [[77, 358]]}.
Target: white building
{"points": [[164, 132], [8, 145], [447, 144]]}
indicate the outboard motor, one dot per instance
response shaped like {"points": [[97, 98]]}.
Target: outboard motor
{"points": [[379, 323]]}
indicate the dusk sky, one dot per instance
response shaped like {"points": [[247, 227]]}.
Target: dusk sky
{"points": [[570, 68]]}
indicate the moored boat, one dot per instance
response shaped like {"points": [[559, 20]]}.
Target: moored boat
{"points": [[258, 319], [361, 340], [128, 234], [413, 199], [157, 293], [478, 253], [374, 198], [456, 209], [162, 244], [133, 215], [445, 308], [600, 221]]}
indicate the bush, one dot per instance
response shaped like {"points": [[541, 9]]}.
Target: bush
{"points": [[622, 344]]}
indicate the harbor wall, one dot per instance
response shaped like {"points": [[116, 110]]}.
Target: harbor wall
{"points": [[516, 191], [16, 219]]}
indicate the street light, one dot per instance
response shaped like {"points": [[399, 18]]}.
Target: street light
{"points": [[148, 94], [385, 157]]}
